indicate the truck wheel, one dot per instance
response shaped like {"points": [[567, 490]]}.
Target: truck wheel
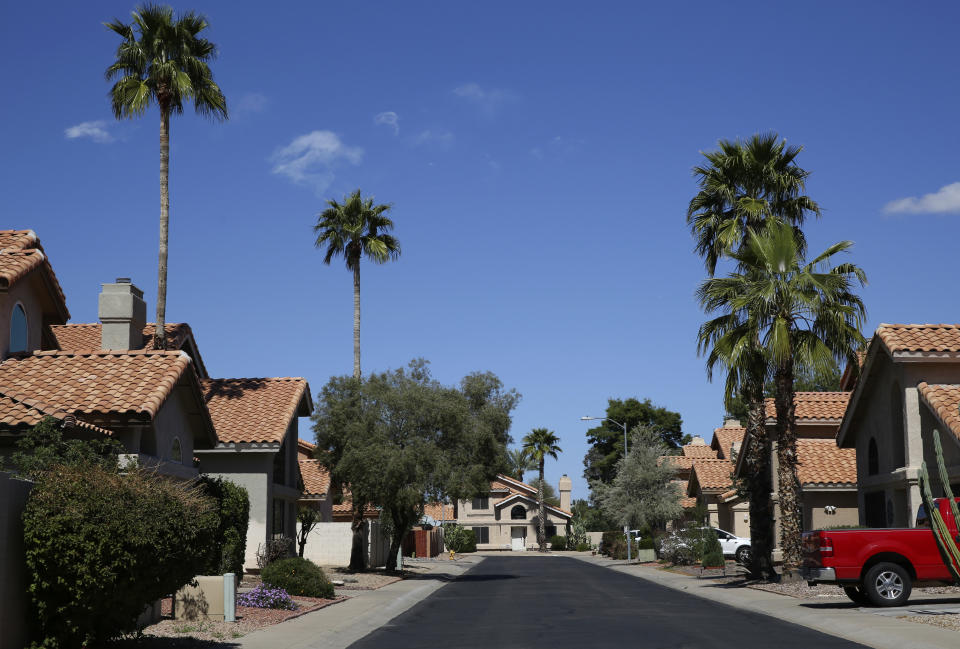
{"points": [[856, 595], [743, 555], [887, 584]]}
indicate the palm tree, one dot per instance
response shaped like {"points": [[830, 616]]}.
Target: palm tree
{"points": [[520, 462], [747, 185], [541, 443], [805, 314], [163, 59], [355, 229]]}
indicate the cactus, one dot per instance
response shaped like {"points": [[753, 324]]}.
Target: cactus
{"points": [[949, 550]]}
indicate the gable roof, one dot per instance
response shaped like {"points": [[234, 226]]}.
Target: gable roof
{"points": [[944, 401], [710, 474], [699, 451], [26, 412], [521, 496], [725, 437], [20, 254], [305, 449], [316, 478], [256, 410], [814, 406], [511, 484], [820, 462], [439, 511], [678, 462], [898, 338]]}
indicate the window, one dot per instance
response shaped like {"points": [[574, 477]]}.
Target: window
{"points": [[873, 458], [18, 329], [551, 530], [518, 513], [482, 534], [176, 454], [278, 517], [481, 503]]}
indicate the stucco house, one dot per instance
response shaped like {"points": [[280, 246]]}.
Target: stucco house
{"points": [[909, 386]]}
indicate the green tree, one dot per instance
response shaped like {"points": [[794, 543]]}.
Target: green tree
{"points": [[162, 58], [353, 230], [747, 185], [541, 443], [642, 493], [594, 520], [308, 516], [606, 440], [519, 462], [550, 496], [44, 446], [804, 313]]}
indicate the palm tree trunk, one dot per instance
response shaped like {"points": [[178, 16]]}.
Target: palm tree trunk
{"points": [[760, 485], [160, 335], [356, 321], [791, 503], [541, 517]]}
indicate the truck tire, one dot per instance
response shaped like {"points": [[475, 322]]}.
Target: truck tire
{"points": [[887, 584], [856, 595], [743, 555]]}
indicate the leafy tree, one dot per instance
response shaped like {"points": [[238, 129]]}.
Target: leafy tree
{"points": [[747, 186], [550, 496], [606, 440], [803, 313], [44, 446], [519, 462], [308, 516], [541, 444], [594, 520], [353, 230], [399, 439], [163, 59], [232, 504], [642, 492]]}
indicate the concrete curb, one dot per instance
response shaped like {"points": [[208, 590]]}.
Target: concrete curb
{"points": [[841, 620]]}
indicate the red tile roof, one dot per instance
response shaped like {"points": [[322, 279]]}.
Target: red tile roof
{"points": [[822, 462], [679, 462], [814, 405], [305, 449], [712, 474], [255, 410], [17, 413], [316, 478], [131, 383], [725, 437], [688, 502], [944, 400], [699, 451], [439, 512], [21, 253], [74, 337], [920, 337], [344, 510]]}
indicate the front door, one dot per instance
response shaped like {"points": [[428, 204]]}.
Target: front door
{"points": [[518, 539]]}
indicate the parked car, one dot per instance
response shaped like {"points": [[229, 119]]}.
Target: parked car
{"points": [[878, 566], [736, 547]]}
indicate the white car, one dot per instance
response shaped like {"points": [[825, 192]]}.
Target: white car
{"points": [[734, 546]]}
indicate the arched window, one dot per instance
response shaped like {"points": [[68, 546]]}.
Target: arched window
{"points": [[518, 513], [176, 454], [873, 458], [18, 329]]}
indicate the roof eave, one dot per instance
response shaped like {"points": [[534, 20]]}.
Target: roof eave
{"points": [[865, 373]]}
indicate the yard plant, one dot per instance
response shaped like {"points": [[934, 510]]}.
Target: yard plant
{"points": [[298, 576], [264, 596], [233, 507]]}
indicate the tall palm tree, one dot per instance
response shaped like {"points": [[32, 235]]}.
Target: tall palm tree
{"points": [[805, 313], [356, 229], [520, 462], [747, 185], [163, 59], [541, 443]]}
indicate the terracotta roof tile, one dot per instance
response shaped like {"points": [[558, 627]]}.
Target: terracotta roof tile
{"points": [[726, 495], [676, 461], [439, 512], [316, 478], [20, 253], [822, 462], [344, 510], [713, 474], [305, 449], [725, 437], [920, 337], [71, 337], [253, 410], [511, 484], [94, 382], [688, 502], [15, 413], [814, 405], [945, 401], [699, 451]]}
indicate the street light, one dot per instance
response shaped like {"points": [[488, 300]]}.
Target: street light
{"points": [[626, 528]]}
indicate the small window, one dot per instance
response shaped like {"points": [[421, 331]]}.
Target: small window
{"points": [[518, 513], [481, 503], [18, 329], [482, 534], [176, 454], [279, 520]]}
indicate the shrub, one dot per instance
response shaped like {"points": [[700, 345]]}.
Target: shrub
{"points": [[458, 538], [297, 577], [558, 542], [645, 543], [101, 546], [233, 506], [265, 597], [614, 545], [274, 550], [583, 547], [712, 551]]}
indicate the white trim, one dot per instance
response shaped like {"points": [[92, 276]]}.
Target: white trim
{"points": [[534, 501]]}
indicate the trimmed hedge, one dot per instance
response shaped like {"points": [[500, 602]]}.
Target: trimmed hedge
{"points": [[233, 506], [101, 546], [298, 577], [558, 542]]}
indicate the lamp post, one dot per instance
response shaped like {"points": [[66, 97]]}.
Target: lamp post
{"points": [[624, 427]]}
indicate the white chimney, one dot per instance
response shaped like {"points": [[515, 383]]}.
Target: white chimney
{"points": [[566, 486], [698, 440], [731, 423], [123, 314]]}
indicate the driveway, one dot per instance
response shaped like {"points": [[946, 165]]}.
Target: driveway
{"points": [[556, 602]]}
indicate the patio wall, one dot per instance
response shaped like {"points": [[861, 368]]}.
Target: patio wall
{"points": [[329, 544]]}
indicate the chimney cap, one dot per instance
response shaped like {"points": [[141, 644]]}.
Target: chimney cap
{"points": [[123, 280]]}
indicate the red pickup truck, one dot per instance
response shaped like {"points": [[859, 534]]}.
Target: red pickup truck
{"points": [[879, 566]]}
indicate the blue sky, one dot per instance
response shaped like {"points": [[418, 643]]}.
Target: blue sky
{"points": [[538, 156]]}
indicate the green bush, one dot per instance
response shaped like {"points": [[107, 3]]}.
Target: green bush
{"points": [[458, 538], [711, 549], [558, 542], [298, 577], [233, 506], [101, 546], [614, 545], [646, 543], [583, 547]]}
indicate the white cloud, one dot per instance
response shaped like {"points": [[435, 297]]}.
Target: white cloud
{"points": [[943, 201], [96, 131], [311, 159], [388, 118], [443, 139], [489, 100], [252, 102]]}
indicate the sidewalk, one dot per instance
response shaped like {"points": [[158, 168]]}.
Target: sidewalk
{"points": [[339, 626], [839, 618]]}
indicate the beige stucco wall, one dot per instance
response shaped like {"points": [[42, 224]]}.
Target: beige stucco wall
{"points": [[330, 544], [31, 294], [498, 521], [815, 503]]}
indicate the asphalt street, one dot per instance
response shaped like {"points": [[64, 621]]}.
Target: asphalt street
{"points": [[558, 602]]}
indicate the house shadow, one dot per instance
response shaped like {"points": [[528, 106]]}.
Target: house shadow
{"points": [[916, 604], [448, 578]]}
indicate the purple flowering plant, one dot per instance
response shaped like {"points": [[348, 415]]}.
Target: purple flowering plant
{"points": [[265, 597]]}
